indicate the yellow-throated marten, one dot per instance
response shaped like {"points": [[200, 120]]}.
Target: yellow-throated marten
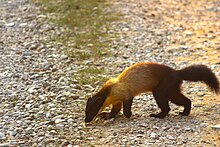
{"points": [[162, 80]]}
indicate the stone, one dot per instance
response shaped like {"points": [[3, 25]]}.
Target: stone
{"points": [[217, 127], [59, 120], [11, 24], [171, 138], [70, 120], [28, 106], [70, 145], [5, 144], [2, 136], [154, 135]]}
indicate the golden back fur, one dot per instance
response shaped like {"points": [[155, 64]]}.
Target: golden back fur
{"points": [[136, 79]]}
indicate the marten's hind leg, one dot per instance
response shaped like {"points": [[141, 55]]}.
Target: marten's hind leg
{"points": [[181, 100], [162, 93]]}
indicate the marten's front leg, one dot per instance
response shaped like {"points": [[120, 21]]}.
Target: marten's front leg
{"points": [[127, 107], [103, 115], [115, 110]]}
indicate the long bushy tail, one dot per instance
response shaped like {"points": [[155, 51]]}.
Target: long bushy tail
{"points": [[200, 73]]}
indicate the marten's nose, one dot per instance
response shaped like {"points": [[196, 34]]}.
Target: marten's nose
{"points": [[87, 120]]}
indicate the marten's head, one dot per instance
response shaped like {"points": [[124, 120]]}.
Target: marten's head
{"points": [[95, 103], [93, 106]]}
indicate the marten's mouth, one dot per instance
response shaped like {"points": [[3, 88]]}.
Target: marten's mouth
{"points": [[88, 120]]}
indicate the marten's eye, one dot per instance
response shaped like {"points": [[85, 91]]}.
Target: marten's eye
{"points": [[98, 101]]}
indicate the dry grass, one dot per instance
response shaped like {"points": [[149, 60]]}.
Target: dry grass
{"points": [[88, 38]]}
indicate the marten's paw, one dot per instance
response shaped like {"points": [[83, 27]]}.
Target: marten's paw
{"points": [[104, 115], [153, 115], [159, 115], [184, 113]]}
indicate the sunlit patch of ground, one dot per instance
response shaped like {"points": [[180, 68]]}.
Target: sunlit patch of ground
{"points": [[197, 32], [198, 23]]}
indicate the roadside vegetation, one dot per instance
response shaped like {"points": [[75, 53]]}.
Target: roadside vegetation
{"points": [[87, 38]]}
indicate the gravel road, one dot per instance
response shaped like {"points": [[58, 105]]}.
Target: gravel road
{"points": [[42, 105]]}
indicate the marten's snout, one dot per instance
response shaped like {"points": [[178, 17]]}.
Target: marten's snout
{"points": [[87, 120]]}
